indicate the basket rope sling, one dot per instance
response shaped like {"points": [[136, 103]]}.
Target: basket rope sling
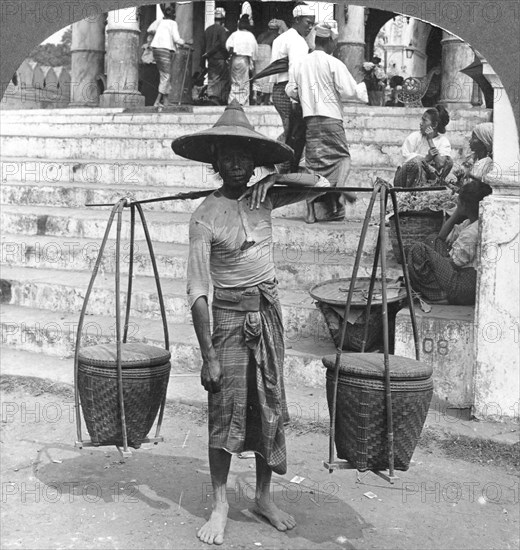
{"points": [[357, 424], [121, 387]]}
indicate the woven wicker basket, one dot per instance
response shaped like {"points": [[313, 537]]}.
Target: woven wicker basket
{"points": [[146, 371], [330, 299], [361, 431], [415, 227]]}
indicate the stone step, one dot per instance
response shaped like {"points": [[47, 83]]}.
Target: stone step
{"points": [[55, 290], [371, 153], [54, 334], [173, 228], [295, 268], [77, 195], [183, 388], [149, 173], [355, 130], [361, 116]]}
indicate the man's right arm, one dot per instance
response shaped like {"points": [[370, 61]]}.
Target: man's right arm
{"points": [[345, 83], [211, 372], [198, 289]]}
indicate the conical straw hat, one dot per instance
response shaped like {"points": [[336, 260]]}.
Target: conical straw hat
{"points": [[231, 126]]}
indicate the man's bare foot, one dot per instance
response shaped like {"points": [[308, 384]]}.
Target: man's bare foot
{"points": [[212, 532], [278, 518]]}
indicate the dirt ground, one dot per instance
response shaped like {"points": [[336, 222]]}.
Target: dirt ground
{"points": [[56, 496]]}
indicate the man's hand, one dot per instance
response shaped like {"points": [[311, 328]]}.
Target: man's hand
{"points": [[258, 191], [211, 375]]}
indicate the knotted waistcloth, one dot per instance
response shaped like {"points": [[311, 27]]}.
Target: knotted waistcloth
{"points": [[249, 412]]}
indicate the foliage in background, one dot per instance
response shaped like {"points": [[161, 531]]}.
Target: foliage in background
{"points": [[54, 55]]}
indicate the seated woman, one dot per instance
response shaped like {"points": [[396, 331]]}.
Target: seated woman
{"points": [[427, 153], [444, 269], [481, 160]]}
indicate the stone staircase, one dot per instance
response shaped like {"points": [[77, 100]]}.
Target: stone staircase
{"points": [[55, 161]]}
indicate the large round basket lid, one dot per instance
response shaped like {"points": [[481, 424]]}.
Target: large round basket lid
{"points": [[371, 365], [335, 292], [133, 355]]}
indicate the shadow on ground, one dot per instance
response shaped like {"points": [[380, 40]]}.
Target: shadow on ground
{"points": [[175, 483]]}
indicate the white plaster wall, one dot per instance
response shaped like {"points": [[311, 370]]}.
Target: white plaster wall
{"points": [[402, 34], [497, 371]]}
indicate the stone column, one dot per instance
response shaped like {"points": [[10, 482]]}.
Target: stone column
{"points": [[87, 61], [497, 368], [476, 96], [122, 60], [184, 18], [209, 14], [351, 40], [183, 59], [456, 87]]}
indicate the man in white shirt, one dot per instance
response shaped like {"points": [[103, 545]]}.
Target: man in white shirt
{"points": [[321, 83], [290, 44]]}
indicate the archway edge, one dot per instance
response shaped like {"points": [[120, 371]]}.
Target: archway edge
{"points": [[490, 27]]}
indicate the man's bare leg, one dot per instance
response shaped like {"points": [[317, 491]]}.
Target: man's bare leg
{"points": [[311, 213], [343, 182], [264, 503], [212, 532]]}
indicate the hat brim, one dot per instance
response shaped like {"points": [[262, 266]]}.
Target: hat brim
{"points": [[265, 151]]}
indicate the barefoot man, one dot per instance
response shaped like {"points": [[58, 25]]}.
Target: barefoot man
{"points": [[242, 359]]}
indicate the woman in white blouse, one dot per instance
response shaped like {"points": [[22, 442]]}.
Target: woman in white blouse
{"points": [[427, 152], [164, 45]]}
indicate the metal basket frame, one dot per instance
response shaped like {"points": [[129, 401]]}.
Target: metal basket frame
{"points": [[118, 209]]}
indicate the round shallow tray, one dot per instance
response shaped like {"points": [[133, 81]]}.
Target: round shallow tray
{"points": [[335, 292]]}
